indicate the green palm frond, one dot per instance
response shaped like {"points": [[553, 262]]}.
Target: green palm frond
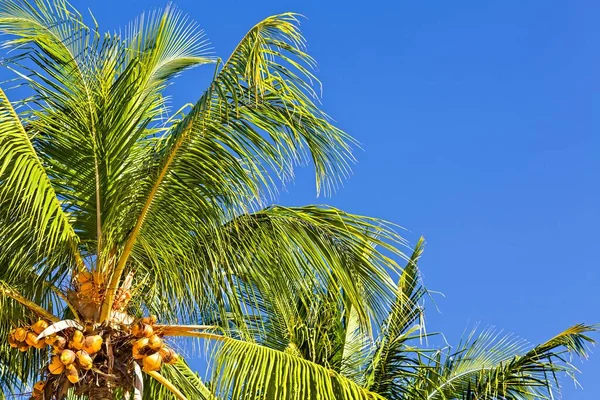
{"points": [[494, 366], [52, 36], [183, 378], [247, 370], [31, 212], [97, 95], [314, 248], [394, 360], [257, 119], [357, 349]]}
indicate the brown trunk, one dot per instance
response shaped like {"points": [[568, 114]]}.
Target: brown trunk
{"points": [[100, 393]]}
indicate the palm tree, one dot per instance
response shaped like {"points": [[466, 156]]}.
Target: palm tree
{"points": [[114, 210], [396, 364]]}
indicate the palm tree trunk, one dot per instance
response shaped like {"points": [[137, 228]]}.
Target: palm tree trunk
{"points": [[101, 393]]}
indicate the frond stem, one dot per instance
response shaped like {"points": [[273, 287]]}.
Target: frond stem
{"points": [[42, 312], [165, 382]]}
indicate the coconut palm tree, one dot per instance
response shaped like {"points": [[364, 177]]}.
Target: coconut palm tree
{"points": [[396, 364], [125, 225]]}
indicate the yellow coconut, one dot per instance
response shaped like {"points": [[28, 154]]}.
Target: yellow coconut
{"points": [[152, 362], [32, 339], [23, 347], [147, 330], [50, 339], [136, 329], [155, 343], [12, 341], [168, 355], [67, 357], [138, 347], [72, 374], [86, 288], [39, 326], [84, 276], [85, 361], [20, 334], [77, 340], [151, 320], [92, 344], [59, 343], [56, 367]]}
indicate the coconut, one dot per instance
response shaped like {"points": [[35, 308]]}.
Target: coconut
{"points": [[67, 357], [32, 339], [56, 367], [59, 343], [23, 347], [20, 334], [92, 344], [84, 276], [151, 320], [39, 326], [168, 355], [138, 347], [85, 361], [155, 343], [72, 374], [147, 330], [152, 362], [12, 341], [136, 329], [50, 339], [77, 340], [86, 288], [98, 278]]}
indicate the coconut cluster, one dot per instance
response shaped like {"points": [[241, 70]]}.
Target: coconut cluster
{"points": [[148, 347], [25, 337], [97, 355], [72, 351], [90, 286], [76, 356]]}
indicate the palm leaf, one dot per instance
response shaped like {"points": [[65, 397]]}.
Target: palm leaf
{"points": [[494, 366], [394, 360], [247, 370], [314, 248], [255, 120], [183, 378], [34, 213]]}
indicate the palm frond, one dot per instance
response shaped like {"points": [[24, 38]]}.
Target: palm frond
{"points": [[247, 370], [231, 268], [494, 366], [32, 214], [96, 97], [394, 360], [256, 120], [187, 382]]}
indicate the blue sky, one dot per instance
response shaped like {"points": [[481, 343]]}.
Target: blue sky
{"points": [[479, 122]]}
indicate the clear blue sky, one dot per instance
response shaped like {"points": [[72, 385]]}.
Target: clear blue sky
{"points": [[480, 126]]}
